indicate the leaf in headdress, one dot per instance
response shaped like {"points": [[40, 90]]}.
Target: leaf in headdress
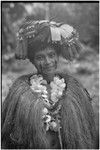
{"points": [[66, 30], [63, 40], [78, 46], [55, 34], [65, 51], [70, 50], [74, 50]]}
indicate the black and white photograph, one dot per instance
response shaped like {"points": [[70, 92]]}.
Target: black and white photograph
{"points": [[49, 75]]}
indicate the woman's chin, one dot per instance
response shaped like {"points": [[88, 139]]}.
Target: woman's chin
{"points": [[50, 71]]}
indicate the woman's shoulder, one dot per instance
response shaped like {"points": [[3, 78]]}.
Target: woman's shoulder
{"points": [[69, 78], [21, 80], [18, 88], [20, 85], [74, 86]]}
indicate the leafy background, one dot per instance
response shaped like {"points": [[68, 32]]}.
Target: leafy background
{"points": [[83, 16]]}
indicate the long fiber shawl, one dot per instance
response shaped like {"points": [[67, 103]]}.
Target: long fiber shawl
{"points": [[22, 124]]}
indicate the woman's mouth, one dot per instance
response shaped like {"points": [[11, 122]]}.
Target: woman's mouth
{"points": [[49, 68]]}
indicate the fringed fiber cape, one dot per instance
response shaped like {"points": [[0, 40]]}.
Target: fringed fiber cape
{"points": [[21, 118]]}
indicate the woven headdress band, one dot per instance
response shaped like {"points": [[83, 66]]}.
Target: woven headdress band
{"points": [[63, 34]]}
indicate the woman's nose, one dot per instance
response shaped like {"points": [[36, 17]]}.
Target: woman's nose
{"points": [[48, 61]]}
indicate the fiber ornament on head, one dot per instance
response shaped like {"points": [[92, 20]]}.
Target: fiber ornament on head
{"points": [[37, 35]]}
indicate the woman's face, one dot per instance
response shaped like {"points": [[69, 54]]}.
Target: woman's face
{"points": [[46, 61]]}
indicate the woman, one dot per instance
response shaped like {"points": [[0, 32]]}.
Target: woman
{"points": [[50, 109]]}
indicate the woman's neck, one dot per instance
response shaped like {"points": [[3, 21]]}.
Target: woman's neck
{"points": [[48, 77]]}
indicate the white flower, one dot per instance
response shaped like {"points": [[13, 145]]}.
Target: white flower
{"points": [[57, 88], [53, 124], [44, 96], [54, 98], [37, 90], [44, 82], [43, 88], [40, 80], [45, 92], [63, 85], [54, 93], [60, 93], [45, 111], [62, 80], [56, 79], [46, 101], [53, 85], [48, 118], [33, 82], [33, 77]]}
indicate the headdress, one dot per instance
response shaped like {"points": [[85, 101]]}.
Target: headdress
{"points": [[45, 31]]}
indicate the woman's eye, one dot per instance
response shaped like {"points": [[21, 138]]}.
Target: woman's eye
{"points": [[52, 55], [40, 58]]}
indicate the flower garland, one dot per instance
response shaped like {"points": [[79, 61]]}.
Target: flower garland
{"points": [[38, 84]]}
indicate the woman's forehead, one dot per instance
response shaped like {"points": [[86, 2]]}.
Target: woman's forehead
{"points": [[45, 51]]}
